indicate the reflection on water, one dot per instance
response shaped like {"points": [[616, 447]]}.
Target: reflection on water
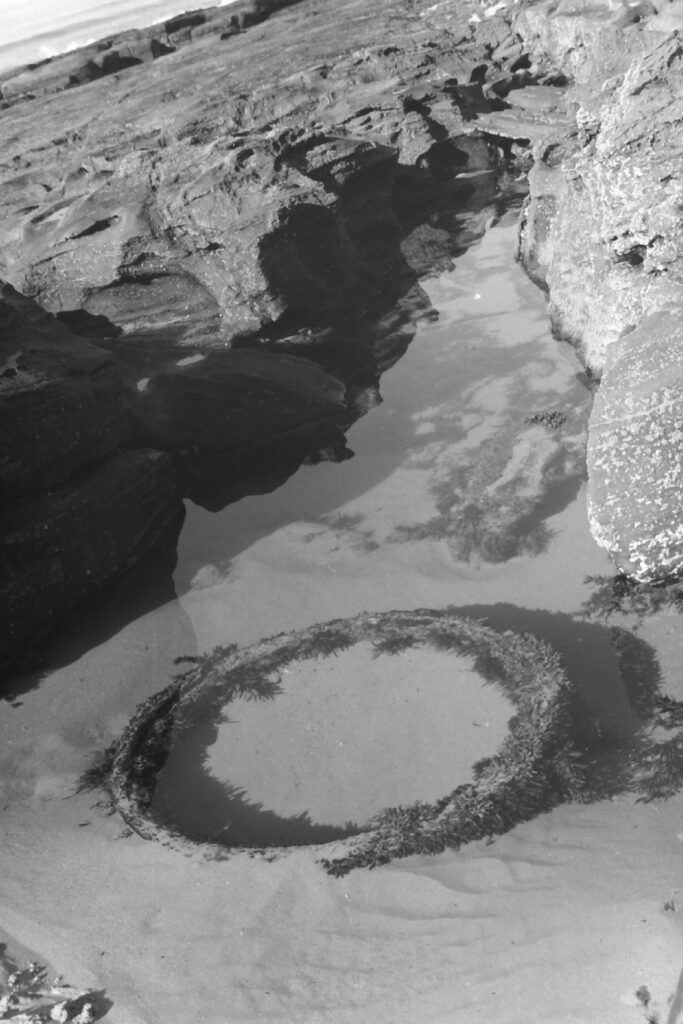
{"points": [[451, 453]]}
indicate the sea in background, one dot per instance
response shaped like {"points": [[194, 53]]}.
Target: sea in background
{"points": [[33, 30]]}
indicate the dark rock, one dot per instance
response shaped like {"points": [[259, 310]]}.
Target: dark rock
{"points": [[236, 399], [61, 545], [278, 189], [61, 400], [635, 446], [602, 232]]}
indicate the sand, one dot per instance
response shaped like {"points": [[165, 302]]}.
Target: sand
{"points": [[559, 921], [346, 737]]}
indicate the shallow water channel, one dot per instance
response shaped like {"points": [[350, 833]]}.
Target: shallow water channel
{"points": [[466, 489]]}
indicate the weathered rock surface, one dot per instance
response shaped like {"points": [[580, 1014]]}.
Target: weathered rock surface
{"points": [[636, 443], [280, 190], [603, 234]]}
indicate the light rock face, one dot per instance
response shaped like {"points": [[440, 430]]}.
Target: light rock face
{"points": [[635, 458], [244, 229], [63, 544], [603, 234], [589, 40], [61, 400], [603, 225]]}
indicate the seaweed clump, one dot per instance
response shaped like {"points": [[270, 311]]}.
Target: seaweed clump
{"points": [[625, 595], [536, 767]]}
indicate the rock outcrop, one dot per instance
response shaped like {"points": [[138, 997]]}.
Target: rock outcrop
{"points": [[62, 545], [208, 219], [243, 257], [61, 400], [603, 234], [636, 496], [603, 225], [240, 228], [128, 49]]}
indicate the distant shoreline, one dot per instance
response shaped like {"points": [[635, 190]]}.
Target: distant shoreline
{"points": [[85, 24]]}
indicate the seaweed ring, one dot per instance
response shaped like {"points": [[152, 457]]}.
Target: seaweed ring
{"points": [[535, 768]]}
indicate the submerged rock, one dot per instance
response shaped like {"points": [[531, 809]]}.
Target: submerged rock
{"points": [[536, 767]]}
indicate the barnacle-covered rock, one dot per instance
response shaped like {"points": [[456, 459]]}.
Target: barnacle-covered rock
{"points": [[635, 451]]}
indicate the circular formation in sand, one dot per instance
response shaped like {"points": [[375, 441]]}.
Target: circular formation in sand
{"points": [[343, 738], [531, 766]]}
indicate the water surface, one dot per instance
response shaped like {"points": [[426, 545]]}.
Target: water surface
{"points": [[466, 489]]}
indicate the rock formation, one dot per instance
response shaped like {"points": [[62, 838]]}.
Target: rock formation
{"points": [[128, 49], [236, 206], [77, 507], [244, 255], [602, 233]]}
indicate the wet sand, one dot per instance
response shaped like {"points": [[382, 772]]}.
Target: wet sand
{"points": [[560, 921], [346, 737]]}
